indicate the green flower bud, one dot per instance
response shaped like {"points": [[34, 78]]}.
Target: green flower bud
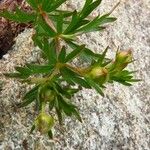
{"points": [[99, 74], [123, 58], [44, 122], [46, 94]]}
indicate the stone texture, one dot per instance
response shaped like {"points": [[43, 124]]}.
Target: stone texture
{"points": [[119, 121]]}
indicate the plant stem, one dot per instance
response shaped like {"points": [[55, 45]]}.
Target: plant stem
{"points": [[43, 107], [47, 19]]}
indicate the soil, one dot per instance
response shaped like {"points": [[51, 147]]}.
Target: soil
{"points": [[9, 29]]}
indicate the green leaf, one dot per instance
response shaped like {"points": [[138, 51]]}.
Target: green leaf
{"points": [[59, 24], [68, 108], [37, 41], [33, 3], [46, 4], [18, 16], [62, 55], [87, 3], [77, 115], [35, 69], [50, 134], [102, 58], [78, 20], [94, 85], [32, 128], [29, 97], [15, 75], [87, 54], [51, 104], [64, 13], [59, 114], [95, 24], [26, 72], [50, 51], [74, 53], [54, 5], [89, 7], [45, 27], [73, 23], [58, 111], [61, 91], [72, 76]]}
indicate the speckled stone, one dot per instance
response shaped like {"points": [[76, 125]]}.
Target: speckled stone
{"points": [[119, 121]]}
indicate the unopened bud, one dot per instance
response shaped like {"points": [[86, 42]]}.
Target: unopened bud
{"points": [[123, 58], [99, 75], [44, 123], [47, 94]]}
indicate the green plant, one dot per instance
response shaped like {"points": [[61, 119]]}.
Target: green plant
{"points": [[55, 34]]}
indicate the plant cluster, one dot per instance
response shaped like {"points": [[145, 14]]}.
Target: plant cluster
{"points": [[54, 81]]}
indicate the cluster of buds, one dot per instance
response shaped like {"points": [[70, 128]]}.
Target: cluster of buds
{"points": [[102, 75], [44, 122]]}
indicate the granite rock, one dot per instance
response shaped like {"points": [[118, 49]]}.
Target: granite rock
{"points": [[119, 121]]}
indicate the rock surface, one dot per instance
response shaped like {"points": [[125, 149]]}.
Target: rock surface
{"points": [[119, 121]]}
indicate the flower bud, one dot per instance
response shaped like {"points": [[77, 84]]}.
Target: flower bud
{"points": [[123, 58], [99, 75], [44, 122], [46, 94]]}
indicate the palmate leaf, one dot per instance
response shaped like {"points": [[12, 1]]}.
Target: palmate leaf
{"points": [[95, 24], [78, 19], [46, 5], [30, 69], [18, 16]]}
